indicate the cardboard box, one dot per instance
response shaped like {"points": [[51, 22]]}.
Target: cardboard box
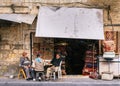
{"points": [[107, 76]]}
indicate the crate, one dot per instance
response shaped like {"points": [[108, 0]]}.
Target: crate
{"points": [[107, 76]]}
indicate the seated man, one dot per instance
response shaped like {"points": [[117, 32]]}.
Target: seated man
{"points": [[39, 67], [25, 64], [38, 59], [55, 64]]}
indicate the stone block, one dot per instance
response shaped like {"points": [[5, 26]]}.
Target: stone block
{"points": [[7, 47]]}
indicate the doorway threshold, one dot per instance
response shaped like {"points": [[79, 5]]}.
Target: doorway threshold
{"points": [[75, 76]]}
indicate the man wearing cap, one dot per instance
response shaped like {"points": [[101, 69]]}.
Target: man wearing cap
{"points": [[25, 64]]}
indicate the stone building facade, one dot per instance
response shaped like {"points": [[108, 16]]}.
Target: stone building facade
{"points": [[15, 37]]}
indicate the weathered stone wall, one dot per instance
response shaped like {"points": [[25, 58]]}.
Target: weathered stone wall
{"points": [[44, 46], [14, 40]]}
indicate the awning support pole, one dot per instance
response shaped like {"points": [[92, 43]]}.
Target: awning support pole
{"points": [[31, 47]]}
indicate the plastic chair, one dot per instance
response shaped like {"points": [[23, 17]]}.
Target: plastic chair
{"points": [[39, 69], [21, 72], [57, 72]]}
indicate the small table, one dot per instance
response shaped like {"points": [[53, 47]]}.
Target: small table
{"points": [[47, 66]]}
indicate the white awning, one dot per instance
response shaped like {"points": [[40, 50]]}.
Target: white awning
{"points": [[81, 23], [19, 18]]}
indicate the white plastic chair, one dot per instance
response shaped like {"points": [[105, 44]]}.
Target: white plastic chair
{"points": [[58, 71]]}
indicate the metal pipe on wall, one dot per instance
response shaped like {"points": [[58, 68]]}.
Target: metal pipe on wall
{"points": [[31, 41]]}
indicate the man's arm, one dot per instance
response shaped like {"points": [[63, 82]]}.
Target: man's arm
{"points": [[21, 61], [52, 61]]}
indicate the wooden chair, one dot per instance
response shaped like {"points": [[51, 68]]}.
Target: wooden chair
{"points": [[21, 72]]}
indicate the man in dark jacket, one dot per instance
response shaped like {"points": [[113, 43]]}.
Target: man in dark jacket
{"points": [[55, 64]]}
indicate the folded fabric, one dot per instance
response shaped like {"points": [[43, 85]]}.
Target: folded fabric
{"points": [[26, 63]]}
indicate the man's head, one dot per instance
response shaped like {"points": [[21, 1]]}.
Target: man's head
{"points": [[24, 54], [38, 55], [57, 56]]}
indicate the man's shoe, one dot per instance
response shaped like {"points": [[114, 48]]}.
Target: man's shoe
{"points": [[28, 79], [47, 79], [34, 79], [39, 78]]}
